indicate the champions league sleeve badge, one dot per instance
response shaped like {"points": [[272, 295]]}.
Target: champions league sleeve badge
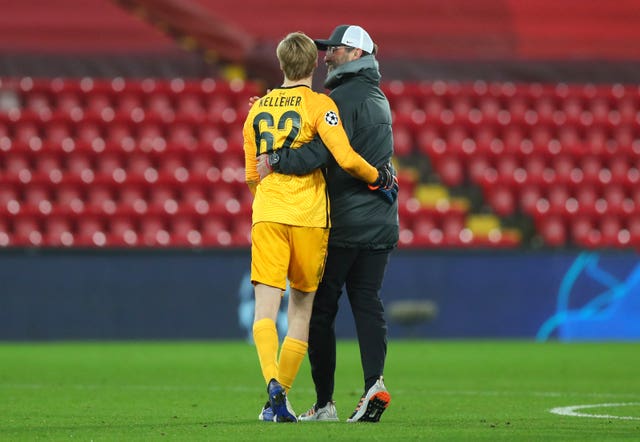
{"points": [[331, 118]]}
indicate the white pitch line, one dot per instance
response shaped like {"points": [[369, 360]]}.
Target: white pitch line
{"points": [[571, 411]]}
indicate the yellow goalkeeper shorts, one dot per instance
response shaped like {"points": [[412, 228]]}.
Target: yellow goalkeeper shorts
{"points": [[281, 251]]}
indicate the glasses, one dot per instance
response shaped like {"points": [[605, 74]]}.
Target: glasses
{"points": [[332, 49]]}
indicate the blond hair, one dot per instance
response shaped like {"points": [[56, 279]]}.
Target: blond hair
{"points": [[298, 56]]}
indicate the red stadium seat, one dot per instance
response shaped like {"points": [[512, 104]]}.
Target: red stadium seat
{"points": [[184, 231], [27, 134], [557, 195], [502, 200], [16, 165], [100, 198], [517, 107], [477, 167], [451, 170], [485, 137], [610, 226], [107, 163], [461, 107], [38, 197], [122, 232], [224, 199], [215, 232], [210, 135], [98, 103], [452, 226], [57, 132], [133, 197], [78, 164], [615, 197], [69, 103], [194, 198], [633, 225], [39, 103], [597, 141], [528, 198], [202, 165], [619, 167], [590, 166], [572, 108], [120, 135], [403, 106], [216, 105], [402, 140], [513, 138], [563, 165], [127, 103], [545, 107], [150, 137], [599, 108], [434, 107], [422, 227], [153, 232], [427, 137], [535, 166], [541, 136], [506, 166], [627, 109], [8, 194], [490, 108], [69, 198], [58, 232], [586, 196], [88, 133], [553, 231], [163, 198], [241, 233], [159, 105], [90, 232], [581, 227], [27, 231], [182, 135], [47, 163], [139, 165], [188, 105], [569, 138]]}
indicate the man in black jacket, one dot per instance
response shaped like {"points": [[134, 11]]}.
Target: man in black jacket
{"points": [[364, 224]]}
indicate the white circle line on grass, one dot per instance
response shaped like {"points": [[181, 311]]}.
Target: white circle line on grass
{"points": [[573, 411]]}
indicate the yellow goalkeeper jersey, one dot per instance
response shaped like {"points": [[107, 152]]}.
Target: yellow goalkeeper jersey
{"points": [[291, 117]]}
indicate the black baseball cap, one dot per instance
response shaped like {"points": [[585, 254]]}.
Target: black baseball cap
{"points": [[347, 35]]}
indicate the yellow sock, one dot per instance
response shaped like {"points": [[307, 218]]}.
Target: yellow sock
{"points": [[265, 336], [291, 356]]}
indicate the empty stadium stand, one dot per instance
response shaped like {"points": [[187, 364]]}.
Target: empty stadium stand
{"points": [[158, 163]]}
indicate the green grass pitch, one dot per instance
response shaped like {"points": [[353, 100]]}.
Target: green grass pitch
{"points": [[441, 391]]}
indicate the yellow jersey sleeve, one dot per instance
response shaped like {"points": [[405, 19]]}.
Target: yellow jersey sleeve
{"points": [[330, 129], [252, 177]]}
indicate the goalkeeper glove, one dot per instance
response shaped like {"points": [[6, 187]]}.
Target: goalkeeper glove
{"points": [[385, 178], [386, 184], [390, 194]]}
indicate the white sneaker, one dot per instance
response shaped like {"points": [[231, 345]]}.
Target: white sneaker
{"points": [[372, 404], [328, 413]]}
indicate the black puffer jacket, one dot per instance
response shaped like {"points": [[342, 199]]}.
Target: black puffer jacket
{"points": [[359, 217]]}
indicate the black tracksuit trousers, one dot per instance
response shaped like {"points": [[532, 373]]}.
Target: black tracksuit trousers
{"points": [[362, 272]]}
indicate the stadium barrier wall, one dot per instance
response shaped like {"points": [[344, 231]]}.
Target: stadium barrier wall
{"points": [[206, 294]]}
